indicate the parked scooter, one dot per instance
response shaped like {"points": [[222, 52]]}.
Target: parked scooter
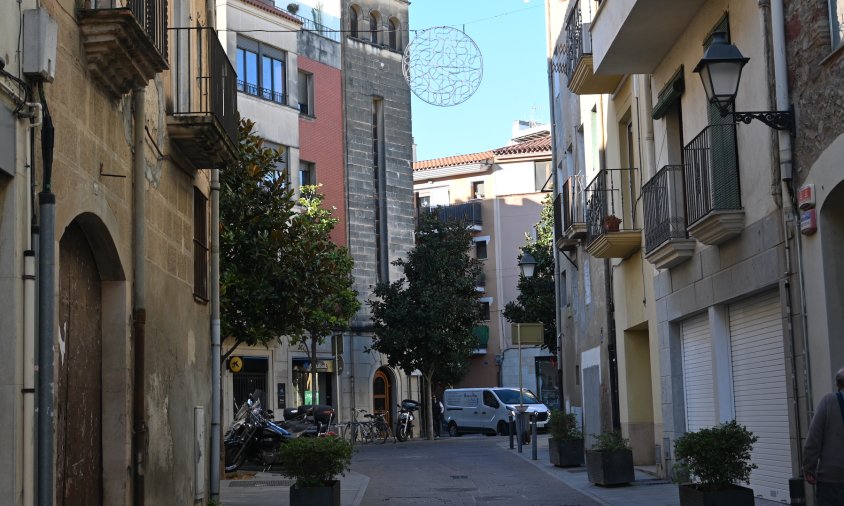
{"points": [[404, 424], [253, 437]]}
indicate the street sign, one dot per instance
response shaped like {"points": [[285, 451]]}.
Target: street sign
{"points": [[235, 364], [527, 333]]}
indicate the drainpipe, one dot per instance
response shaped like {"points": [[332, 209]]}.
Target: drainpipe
{"points": [[215, 335], [29, 330], [46, 312], [139, 315]]}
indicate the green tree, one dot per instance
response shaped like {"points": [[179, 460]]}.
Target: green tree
{"points": [[537, 300], [256, 206], [322, 291], [424, 320]]}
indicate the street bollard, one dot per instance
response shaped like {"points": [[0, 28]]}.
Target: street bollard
{"points": [[533, 435], [520, 431], [511, 426]]}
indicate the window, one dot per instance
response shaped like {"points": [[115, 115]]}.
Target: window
{"points": [[307, 173], [478, 191], [480, 250], [490, 400], [306, 93], [485, 314], [265, 80], [200, 245], [373, 27], [541, 175], [353, 20], [394, 34], [281, 168], [379, 177], [836, 22]]}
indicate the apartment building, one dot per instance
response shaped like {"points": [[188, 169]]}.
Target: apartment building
{"points": [[500, 194], [718, 178], [128, 105]]}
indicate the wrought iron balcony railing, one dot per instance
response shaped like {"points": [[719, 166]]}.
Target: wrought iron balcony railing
{"points": [[574, 40], [573, 205], [664, 203], [610, 203], [151, 15], [205, 82], [468, 213], [310, 25], [265, 93], [712, 172]]}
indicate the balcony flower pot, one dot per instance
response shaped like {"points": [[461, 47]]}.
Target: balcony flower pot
{"points": [[314, 462], [610, 461], [716, 459], [611, 223], [565, 447]]}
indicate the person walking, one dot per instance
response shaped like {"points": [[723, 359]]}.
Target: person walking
{"points": [[438, 416], [823, 451]]}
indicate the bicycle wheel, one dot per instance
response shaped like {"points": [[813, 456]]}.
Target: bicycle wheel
{"points": [[370, 432], [382, 432]]}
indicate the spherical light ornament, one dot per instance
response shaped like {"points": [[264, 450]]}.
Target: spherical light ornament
{"points": [[443, 66]]}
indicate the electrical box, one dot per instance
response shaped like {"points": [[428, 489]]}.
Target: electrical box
{"points": [[40, 37]]}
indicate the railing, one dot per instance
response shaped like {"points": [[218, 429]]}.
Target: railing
{"points": [[712, 172], [665, 216], [310, 25], [150, 14], [205, 81], [265, 93], [574, 40], [610, 203], [559, 219], [469, 213], [573, 208]]}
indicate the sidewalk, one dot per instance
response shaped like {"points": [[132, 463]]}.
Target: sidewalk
{"points": [[647, 490], [272, 489]]}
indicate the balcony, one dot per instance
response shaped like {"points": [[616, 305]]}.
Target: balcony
{"points": [[667, 242], [580, 74], [633, 36], [482, 333], [203, 120], [125, 42], [713, 192], [264, 93], [468, 213], [610, 215], [569, 222]]}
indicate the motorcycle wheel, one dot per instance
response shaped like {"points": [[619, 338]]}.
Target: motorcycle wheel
{"points": [[235, 456], [401, 435]]}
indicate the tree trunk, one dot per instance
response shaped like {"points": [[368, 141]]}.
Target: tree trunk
{"points": [[313, 370], [430, 414]]}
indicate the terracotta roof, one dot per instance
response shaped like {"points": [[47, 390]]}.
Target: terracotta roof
{"points": [[451, 161], [540, 145], [274, 10]]}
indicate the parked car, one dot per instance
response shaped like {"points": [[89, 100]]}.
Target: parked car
{"points": [[488, 410]]}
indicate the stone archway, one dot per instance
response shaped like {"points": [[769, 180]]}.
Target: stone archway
{"points": [[382, 393]]}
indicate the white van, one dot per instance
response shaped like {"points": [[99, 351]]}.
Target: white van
{"points": [[487, 410]]}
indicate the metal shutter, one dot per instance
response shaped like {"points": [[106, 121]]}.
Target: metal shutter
{"points": [[756, 345], [697, 373]]}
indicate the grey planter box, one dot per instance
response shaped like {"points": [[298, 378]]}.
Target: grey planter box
{"points": [[690, 495], [610, 468], [566, 453], [329, 495]]}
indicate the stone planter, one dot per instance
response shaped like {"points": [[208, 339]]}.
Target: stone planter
{"points": [[610, 468], [566, 452], [328, 495], [735, 495]]}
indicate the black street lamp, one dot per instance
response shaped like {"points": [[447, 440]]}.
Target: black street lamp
{"points": [[527, 264], [720, 71]]}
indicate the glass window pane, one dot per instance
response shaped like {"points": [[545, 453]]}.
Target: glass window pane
{"points": [[266, 75], [241, 67], [251, 72], [278, 76]]}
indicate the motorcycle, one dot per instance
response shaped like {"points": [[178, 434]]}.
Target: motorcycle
{"points": [[253, 437], [404, 424]]}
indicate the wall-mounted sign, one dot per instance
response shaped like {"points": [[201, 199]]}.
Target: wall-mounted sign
{"points": [[526, 333], [282, 396], [303, 364], [808, 222], [806, 196], [235, 364]]}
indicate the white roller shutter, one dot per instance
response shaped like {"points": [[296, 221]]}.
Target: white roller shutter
{"points": [[759, 387], [697, 373]]}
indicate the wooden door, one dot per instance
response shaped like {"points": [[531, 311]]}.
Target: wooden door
{"points": [[78, 374], [381, 394]]}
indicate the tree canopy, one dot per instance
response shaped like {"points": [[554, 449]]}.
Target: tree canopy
{"points": [[424, 320], [537, 300]]}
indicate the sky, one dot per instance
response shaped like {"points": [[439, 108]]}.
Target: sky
{"points": [[511, 37]]}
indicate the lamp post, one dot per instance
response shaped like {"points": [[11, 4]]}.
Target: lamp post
{"points": [[720, 72], [527, 264]]}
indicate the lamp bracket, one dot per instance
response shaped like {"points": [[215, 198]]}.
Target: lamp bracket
{"points": [[778, 120]]}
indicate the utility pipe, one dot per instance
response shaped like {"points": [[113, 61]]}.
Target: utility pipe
{"points": [[29, 316], [216, 393], [138, 296]]}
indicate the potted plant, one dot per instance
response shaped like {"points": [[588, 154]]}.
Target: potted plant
{"points": [[566, 443], [717, 459], [610, 460], [293, 8], [314, 462], [611, 223]]}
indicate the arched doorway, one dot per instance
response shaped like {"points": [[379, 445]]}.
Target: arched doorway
{"points": [[382, 394], [831, 228], [79, 470]]}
